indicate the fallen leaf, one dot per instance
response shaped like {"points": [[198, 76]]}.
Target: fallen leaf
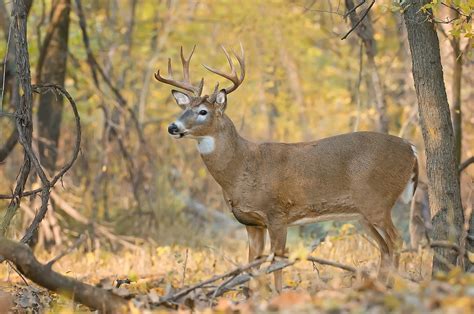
{"points": [[289, 299]]}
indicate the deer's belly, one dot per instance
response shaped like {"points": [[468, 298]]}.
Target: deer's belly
{"points": [[328, 217]]}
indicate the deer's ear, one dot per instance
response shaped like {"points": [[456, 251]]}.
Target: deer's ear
{"points": [[182, 99], [221, 100]]}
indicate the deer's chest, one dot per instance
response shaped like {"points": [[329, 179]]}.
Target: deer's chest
{"points": [[246, 215]]}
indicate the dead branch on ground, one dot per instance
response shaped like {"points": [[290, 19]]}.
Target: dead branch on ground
{"points": [[99, 229], [93, 297], [241, 275]]}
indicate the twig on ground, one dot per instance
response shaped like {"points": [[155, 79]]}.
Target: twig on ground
{"points": [[238, 270], [237, 276], [219, 288], [120, 282]]}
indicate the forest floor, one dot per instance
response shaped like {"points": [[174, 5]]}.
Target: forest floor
{"points": [[159, 271]]}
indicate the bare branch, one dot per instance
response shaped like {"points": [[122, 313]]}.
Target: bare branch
{"points": [[354, 8], [359, 21], [5, 65], [68, 165], [10, 144], [466, 163], [457, 10]]}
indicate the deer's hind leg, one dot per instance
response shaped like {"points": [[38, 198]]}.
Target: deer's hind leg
{"points": [[385, 250], [392, 238]]}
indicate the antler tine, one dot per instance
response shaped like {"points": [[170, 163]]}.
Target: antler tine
{"points": [[233, 77], [185, 63], [216, 88], [200, 87], [229, 59], [241, 60], [185, 83]]}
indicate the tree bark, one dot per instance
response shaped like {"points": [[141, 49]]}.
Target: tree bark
{"points": [[456, 90], [435, 120], [365, 31], [9, 145], [52, 70]]}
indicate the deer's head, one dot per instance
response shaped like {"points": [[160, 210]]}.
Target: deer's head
{"points": [[201, 114]]}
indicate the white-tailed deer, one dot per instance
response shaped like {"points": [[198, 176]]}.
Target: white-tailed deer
{"points": [[271, 186]]}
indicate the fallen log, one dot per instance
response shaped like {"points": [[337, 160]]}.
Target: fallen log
{"points": [[90, 296], [219, 220]]}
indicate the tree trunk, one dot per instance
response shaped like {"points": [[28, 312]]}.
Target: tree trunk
{"points": [[52, 69], [435, 120], [23, 112], [365, 32], [456, 105], [11, 82]]}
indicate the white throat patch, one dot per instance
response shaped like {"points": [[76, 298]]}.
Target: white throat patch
{"points": [[206, 145]]}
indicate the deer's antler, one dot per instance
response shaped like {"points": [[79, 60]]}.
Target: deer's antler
{"points": [[185, 83], [233, 77]]}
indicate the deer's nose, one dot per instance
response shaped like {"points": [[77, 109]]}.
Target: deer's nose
{"points": [[173, 129]]}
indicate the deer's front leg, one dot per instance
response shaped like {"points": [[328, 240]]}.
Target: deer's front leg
{"points": [[278, 244], [256, 241]]}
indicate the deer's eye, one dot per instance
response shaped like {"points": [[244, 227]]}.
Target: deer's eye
{"points": [[203, 112]]}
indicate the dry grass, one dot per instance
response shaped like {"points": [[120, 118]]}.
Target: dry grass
{"points": [[161, 269]]}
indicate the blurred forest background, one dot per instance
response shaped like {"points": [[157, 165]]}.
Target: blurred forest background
{"points": [[134, 187]]}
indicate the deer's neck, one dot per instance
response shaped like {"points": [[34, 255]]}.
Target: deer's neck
{"points": [[224, 153]]}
